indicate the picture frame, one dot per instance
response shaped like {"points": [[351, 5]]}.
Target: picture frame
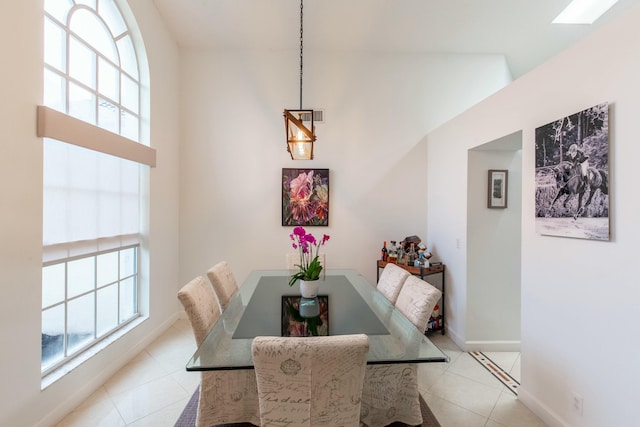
{"points": [[299, 317], [497, 188], [305, 197], [572, 171]]}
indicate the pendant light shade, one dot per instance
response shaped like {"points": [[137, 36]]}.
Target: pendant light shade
{"points": [[300, 133], [298, 123]]}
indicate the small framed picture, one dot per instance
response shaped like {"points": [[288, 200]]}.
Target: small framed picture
{"points": [[497, 188]]}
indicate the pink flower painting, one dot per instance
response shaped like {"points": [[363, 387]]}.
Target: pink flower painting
{"points": [[305, 197]]}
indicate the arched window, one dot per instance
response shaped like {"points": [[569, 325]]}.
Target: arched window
{"points": [[93, 176]]}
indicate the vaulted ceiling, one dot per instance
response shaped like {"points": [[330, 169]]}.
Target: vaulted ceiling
{"points": [[519, 29]]}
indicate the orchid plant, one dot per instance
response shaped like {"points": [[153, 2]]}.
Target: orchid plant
{"points": [[308, 247]]}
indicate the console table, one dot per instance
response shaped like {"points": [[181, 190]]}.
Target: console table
{"points": [[422, 272]]}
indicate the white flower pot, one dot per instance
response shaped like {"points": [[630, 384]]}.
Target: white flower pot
{"points": [[309, 288]]}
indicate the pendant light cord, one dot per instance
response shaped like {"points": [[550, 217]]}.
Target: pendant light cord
{"points": [[301, 15]]}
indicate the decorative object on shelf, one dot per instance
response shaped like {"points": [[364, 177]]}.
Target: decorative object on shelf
{"points": [[309, 267], [305, 197], [298, 124], [572, 175], [497, 188]]}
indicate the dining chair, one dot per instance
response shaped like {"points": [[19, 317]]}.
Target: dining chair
{"points": [[416, 301], [225, 396], [310, 381], [224, 282], [391, 280], [390, 392]]}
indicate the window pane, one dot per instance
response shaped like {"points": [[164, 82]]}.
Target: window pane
{"points": [[80, 322], [128, 262], [82, 104], [128, 296], [55, 93], [129, 126], [129, 94], [54, 45], [107, 265], [90, 3], [82, 63], [108, 80], [92, 30], [128, 54], [52, 284], [110, 13], [108, 116], [58, 8], [81, 276], [52, 335], [107, 315]]}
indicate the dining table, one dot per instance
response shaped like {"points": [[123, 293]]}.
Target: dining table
{"points": [[347, 303]]}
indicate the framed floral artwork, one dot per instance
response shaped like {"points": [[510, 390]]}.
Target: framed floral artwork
{"points": [[305, 197]]}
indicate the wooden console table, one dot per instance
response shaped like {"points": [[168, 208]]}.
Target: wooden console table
{"points": [[423, 272]]}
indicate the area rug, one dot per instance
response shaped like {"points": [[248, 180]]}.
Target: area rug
{"points": [[188, 416]]}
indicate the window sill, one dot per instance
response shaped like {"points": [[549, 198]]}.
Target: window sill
{"points": [[66, 368]]}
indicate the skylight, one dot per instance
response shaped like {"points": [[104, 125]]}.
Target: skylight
{"points": [[583, 11]]}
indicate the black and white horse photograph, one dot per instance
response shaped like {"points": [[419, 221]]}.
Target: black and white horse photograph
{"points": [[572, 175]]}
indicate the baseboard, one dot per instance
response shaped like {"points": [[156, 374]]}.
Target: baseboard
{"points": [[492, 346], [106, 372], [541, 410]]}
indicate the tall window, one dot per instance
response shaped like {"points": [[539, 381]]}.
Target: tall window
{"points": [[93, 177]]}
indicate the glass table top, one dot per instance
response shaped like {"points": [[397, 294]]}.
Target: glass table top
{"points": [[350, 305]]}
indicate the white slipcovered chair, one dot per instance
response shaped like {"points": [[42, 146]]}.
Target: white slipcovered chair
{"points": [[391, 281], [224, 282], [391, 392], [314, 381], [416, 301], [225, 396]]}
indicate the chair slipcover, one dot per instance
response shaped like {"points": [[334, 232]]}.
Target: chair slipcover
{"points": [[201, 304], [391, 281], [391, 392], [225, 396], [223, 281], [314, 381], [416, 301]]}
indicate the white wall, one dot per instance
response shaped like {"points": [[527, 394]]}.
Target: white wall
{"points": [[579, 297], [378, 107], [23, 403], [493, 253]]}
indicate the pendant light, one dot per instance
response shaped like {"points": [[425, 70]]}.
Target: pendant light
{"points": [[298, 124]]}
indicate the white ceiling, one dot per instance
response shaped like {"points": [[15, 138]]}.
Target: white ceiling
{"points": [[519, 29]]}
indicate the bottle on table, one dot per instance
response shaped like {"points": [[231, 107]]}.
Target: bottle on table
{"points": [[411, 254], [384, 252]]}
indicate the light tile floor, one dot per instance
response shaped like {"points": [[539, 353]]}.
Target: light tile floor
{"points": [[154, 387]]}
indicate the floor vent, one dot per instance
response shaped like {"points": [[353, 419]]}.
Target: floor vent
{"points": [[502, 375]]}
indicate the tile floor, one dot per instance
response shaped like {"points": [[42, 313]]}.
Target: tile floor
{"points": [[154, 387]]}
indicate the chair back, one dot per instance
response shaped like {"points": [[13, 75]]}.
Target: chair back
{"points": [[391, 281], [310, 381], [224, 282], [416, 301], [201, 304]]}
